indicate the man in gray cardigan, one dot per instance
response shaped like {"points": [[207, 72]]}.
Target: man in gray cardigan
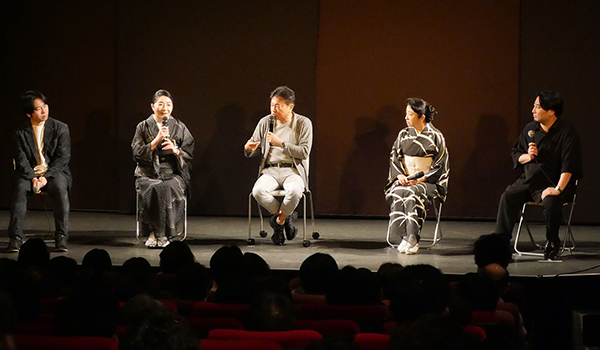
{"points": [[284, 140]]}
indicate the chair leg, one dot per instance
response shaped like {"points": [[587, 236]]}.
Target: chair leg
{"points": [[137, 216], [185, 223], [315, 234], [437, 233], [518, 235]]}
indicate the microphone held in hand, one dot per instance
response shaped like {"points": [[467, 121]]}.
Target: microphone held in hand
{"points": [[36, 189], [531, 134], [271, 122], [415, 176], [164, 123]]}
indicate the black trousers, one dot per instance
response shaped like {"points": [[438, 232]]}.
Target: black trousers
{"points": [[511, 203], [57, 188]]}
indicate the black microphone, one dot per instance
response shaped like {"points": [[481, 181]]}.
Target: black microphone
{"points": [[164, 123], [271, 122], [415, 176]]}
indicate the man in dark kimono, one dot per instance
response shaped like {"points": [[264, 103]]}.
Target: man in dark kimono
{"points": [[42, 151], [549, 152]]}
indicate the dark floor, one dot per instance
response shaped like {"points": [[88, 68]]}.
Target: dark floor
{"points": [[360, 243]]}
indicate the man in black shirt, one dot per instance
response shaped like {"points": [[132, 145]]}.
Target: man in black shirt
{"points": [[549, 152]]}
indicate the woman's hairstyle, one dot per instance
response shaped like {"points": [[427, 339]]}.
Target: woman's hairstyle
{"points": [[421, 107], [159, 93]]}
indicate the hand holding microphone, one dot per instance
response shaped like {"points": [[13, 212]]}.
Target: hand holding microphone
{"points": [[532, 149]]}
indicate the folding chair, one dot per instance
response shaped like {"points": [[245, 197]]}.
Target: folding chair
{"points": [[281, 193], [568, 234], [137, 217], [437, 233]]}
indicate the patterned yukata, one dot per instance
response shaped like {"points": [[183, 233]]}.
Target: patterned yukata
{"points": [[412, 152]]}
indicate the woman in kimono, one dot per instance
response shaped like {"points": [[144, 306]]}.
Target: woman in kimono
{"points": [[419, 147], [163, 150]]}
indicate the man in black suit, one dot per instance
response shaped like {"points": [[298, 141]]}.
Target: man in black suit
{"points": [[42, 151]]}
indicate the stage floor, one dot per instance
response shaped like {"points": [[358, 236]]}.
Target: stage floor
{"points": [[360, 243]]}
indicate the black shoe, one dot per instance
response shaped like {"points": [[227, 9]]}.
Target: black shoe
{"points": [[14, 245], [290, 229], [61, 243], [551, 250]]}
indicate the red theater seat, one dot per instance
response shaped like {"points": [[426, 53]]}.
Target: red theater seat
{"points": [[27, 342], [372, 341], [330, 328], [203, 325], [286, 339], [208, 309], [246, 344]]}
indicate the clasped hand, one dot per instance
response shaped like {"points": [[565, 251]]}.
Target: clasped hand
{"points": [[404, 181]]}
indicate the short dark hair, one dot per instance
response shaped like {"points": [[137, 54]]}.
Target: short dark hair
{"points": [[285, 93], [492, 249], [28, 98], [421, 107], [551, 101], [159, 93]]}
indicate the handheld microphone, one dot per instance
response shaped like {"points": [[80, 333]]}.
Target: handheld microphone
{"points": [[271, 122], [415, 176], [164, 123], [531, 134], [36, 189]]}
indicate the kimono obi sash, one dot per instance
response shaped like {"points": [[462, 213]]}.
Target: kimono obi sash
{"points": [[415, 164]]}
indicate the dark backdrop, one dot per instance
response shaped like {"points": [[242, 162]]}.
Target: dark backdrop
{"points": [[351, 64]]}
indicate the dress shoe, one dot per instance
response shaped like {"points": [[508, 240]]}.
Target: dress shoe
{"points": [[290, 229], [551, 250], [14, 245], [277, 238], [61, 243]]}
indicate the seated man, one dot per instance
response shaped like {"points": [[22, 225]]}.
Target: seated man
{"points": [[549, 152], [285, 140], [42, 151]]}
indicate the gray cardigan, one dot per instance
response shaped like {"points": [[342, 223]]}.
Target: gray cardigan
{"points": [[298, 148]]}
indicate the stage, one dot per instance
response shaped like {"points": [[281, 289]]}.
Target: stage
{"points": [[356, 242]]}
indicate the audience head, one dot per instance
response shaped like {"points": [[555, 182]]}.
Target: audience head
{"points": [[193, 282], [419, 290], [137, 308], [176, 256], [34, 253], [492, 248], [386, 274], [97, 261], [431, 331], [159, 329], [354, 287], [255, 267], [270, 312], [65, 270], [226, 263], [317, 273], [136, 275], [499, 275], [478, 291]]}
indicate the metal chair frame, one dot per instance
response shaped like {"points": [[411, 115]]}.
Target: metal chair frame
{"points": [[568, 234], [281, 193], [137, 217], [437, 235]]}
